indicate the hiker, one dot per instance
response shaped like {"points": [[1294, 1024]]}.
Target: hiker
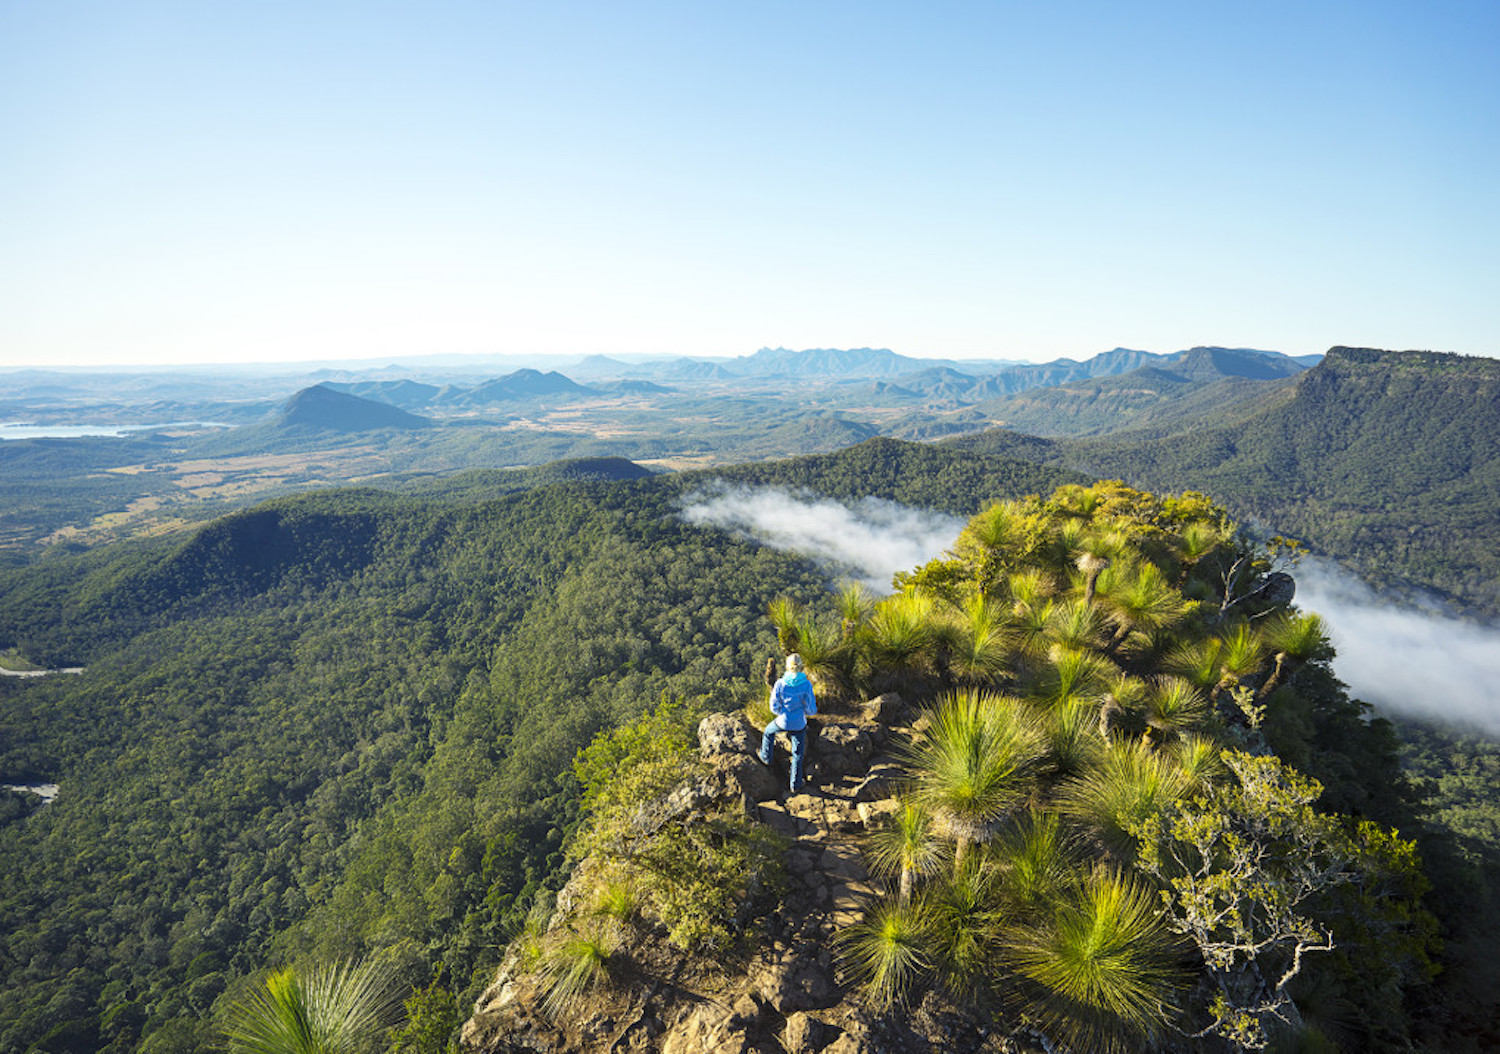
{"points": [[791, 703]]}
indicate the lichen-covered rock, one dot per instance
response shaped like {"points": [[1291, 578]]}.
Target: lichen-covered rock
{"points": [[754, 780], [725, 735], [842, 748]]}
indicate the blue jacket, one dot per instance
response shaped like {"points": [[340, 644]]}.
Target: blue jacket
{"points": [[792, 700]]}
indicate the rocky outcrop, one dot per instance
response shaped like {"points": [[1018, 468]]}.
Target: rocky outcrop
{"points": [[784, 990]]}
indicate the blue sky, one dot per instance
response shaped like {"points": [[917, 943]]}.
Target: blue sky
{"points": [[191, 182]]}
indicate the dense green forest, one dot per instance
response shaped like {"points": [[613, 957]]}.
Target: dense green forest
{"points": [[343, 723]]}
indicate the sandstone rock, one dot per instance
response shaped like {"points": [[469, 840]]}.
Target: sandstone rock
{"points": [[879, 782], [804, 1034], [795, 984], [843, 749], [751, 778], [885, 710]]}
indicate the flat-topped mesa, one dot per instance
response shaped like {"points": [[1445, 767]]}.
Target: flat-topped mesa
{"points": [[1346, 356]]}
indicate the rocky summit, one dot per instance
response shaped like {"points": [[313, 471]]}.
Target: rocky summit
{"points": [[782, 989]]}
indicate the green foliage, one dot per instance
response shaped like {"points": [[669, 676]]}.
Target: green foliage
{"points": [[573, 966], [692, 877], [886, 949], [974, 766], [1100, 969], [337, 1009], [1242, 870], [1120, 672], [433, 1018]]}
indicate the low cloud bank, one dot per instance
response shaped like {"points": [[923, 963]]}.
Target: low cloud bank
{"points": [[870, 540], [1407, 659]]}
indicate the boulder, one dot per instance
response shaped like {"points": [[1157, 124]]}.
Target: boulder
{"points": [[723, 735], [749, 777], [804, 1034], [885, 710], [842, 749], [795, 983]]}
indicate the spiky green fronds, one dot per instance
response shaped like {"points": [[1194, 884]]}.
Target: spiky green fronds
{"points": [[1029, 588], [853, 604], [1071, 671], [827, 656], [1099, 970], [1200, 662], [906, 847], [1300, 637], [1200, 759], [1071, 736], [1066, 544], [572, 967], [1140, 599], [1036, 860], [616, 899], [1197, 540], [784, 613], [1174, 706], [325, 1010], [1129, 693], [975, 764], [1075, 624], [1132, 782], [981, 646], [887, 950], [963, 923], [904, 631], [1243, 653]]}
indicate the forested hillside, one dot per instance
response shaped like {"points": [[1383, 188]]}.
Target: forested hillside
{"points": [[343, 723]]}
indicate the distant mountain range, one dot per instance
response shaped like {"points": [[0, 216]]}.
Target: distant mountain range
{"points": [[896, 378], [1389, 460]]}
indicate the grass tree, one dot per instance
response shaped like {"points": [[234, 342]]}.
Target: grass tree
{"points": [[1036, 860], [1071, 737], [785, 614], [1099, 970], [1173, 707], [853, 603], [903, 634], [964, 919], [1131, 783], [981, 649], [1293, 640], [573, 967], [1139, 599], [906, 848], [334, 1009], [1075, 624], [887, 950], [975, 765]]}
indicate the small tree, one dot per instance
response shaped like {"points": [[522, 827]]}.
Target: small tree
{"points": [[1240, 869]]}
